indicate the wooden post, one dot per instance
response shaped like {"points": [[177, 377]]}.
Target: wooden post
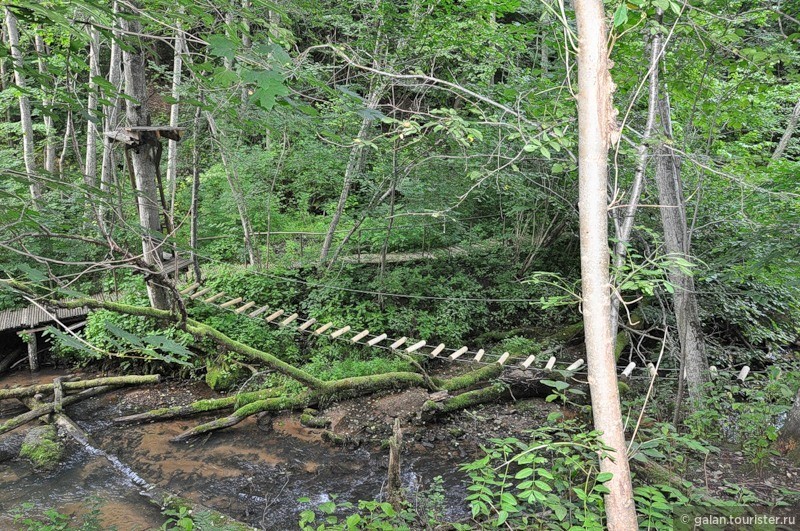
{"points": [[302, 248], [33, 351], [394, 486], [358, 246]]}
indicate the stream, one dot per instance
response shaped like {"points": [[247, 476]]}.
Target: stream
{"points": [[254, 472]]}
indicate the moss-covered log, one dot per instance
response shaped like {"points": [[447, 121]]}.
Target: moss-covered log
{"points": [[22, 392], [46, 409], [464, 400], [201, 406], [285, 403]]}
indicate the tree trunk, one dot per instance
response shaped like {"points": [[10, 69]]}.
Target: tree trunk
{"points": [[195, 197], [172, 149], [787, 134], [624, 221], [596, 122], [49, 128], [90, 167], [24, 106], [790, 433], [673, 218], [111, 115], [354, 164], [144, 160]]}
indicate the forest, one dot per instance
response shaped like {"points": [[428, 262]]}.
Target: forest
{"points": [[411, 264]]}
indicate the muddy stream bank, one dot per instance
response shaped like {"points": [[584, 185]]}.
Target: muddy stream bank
{"points": [[254, 472]]}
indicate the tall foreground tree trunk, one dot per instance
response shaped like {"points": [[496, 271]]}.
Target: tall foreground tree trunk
{"points": [[24, 106], [354, 164], [596, 123], [143, 160]]}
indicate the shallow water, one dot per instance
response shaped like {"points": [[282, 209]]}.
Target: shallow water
{"points": [[254, 472]]}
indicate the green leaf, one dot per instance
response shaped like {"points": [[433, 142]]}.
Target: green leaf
{"points": [[524, 473], [621, 15], [221, 46], [602, 477]]}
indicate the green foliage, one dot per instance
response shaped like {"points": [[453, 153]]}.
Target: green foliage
{"points": [[746, 413], [136, 342], [52, 520], [554, 473]]}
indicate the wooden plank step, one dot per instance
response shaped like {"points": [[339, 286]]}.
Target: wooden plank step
{"points": [[455, 355], [215, 297], [198, 294], [340, 332], [274, 316], [322, 329], [241, 309], [231, 302], [303, 327], [258, 312], [289, 319], [438, 350], [416, 346], [359, 336], [189, 289], [375, 340]]}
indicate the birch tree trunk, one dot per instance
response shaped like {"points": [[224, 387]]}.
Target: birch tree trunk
{"points": [[354, 165], [90, 167], [596, 124], [195, 196], [143, 161], [111, 114], [172, 148], [787, 134], [24, 106], [49, 128]]}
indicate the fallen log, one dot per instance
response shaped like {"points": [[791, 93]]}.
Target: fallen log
{"points": [[22, 392], [43, 409], [201, 406]]}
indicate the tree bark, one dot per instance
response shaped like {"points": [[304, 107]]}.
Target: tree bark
{"points": [[787, 134], [596, 124], [789, 437], [144, 159], [676, 245], [195, 198], [90, 167], [49, 128], [111, 115], [624, 221], [172, 148], [354, 164], [28, 153]]}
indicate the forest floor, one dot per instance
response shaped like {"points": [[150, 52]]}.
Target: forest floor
{"points": [[256, 471]]}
